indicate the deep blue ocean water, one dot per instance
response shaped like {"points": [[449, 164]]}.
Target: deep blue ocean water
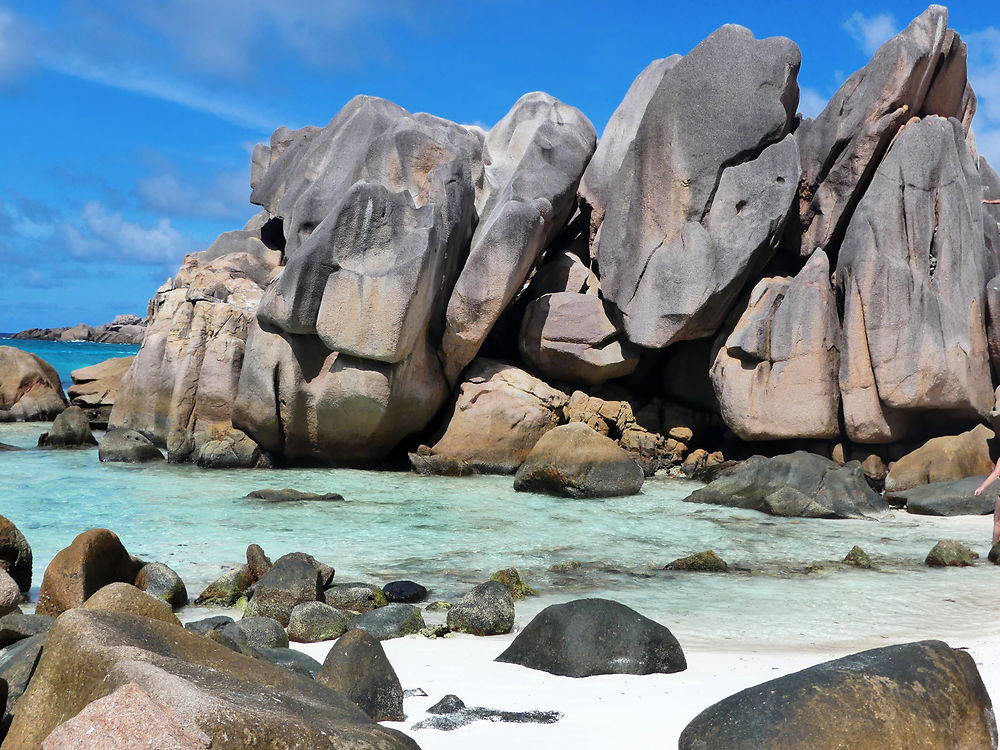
{"points": [[450, 533]]}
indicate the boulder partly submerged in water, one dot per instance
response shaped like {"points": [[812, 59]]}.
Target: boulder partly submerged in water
{"points": [[795, 484], [914, 696], [71, 429], [574, 460], [30, 390], [122, 445], [954, 498], [595, 636]]}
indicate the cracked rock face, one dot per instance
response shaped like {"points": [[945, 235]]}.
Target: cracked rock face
{"points": [[776, 376], [920, 71], [912, 272], [701, 196]]}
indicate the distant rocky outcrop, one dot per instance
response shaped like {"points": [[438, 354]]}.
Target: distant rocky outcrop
{"points": [[124, 329], [416, 286]]}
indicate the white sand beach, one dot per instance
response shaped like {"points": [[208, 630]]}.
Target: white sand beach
{"points": [[607, 711]]}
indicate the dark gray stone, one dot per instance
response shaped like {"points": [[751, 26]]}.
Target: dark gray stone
{"points": [[595, 636], [263, 632], [208, 624], [390, 621], [291, 659], [357, 668], [795, 484], [356, 597], [17, 666], [486, 610], [127, 446], [293, 496], [289, 582], [16, 626], [71, 429], [928, 696], [954, 498], [326, 572], [405, 592]]}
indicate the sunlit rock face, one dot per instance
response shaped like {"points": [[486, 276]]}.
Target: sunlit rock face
{"points": [[920, 71], [406, 236], [912, 271], [703, 192]]}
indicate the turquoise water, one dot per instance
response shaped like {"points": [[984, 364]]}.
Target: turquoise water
{"points": [[67, 356], [451, 533]]}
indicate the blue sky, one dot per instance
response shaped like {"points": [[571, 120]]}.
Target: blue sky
{"points": [[126, 127]]}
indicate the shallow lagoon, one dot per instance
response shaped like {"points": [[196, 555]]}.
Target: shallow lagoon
{"points": [[449, 533]]}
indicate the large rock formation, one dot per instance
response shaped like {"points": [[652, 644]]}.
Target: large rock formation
{"points": [[30, 390], [919, 71], [943, 459], [379, 211], [912, 271], [701, 195], [179, 391], [776, 376]]}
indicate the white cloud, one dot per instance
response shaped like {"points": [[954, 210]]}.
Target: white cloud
{"points": [[225, 196], [104, 234], [811, 102], [870, 32], [15, 47]]}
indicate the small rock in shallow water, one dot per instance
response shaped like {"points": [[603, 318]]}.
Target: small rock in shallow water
{"points": [[288, 495], [950, 553], [437, 606], [127, 446], [706, 561], [858, 558], [486, 610], [227, 588], [994, 555], [510, 578], [565, 567]]}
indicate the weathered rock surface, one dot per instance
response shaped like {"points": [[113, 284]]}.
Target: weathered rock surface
{"points": [[10, 594], [15, 554], [570, 337], [776, 376], [159, 580], [17, 626], [291, 581], [181, 387], [71, 429], [949, 553], [595, 636], [511, 579], [226, 590], [357, 668], [95, 387], [794, 484], [391, 621], [533, 160], [486, 610], [707, 561], [354, 596], [929, 696], [262, 632], [17, 666], [912, 272], [127, 719], [954, 498], [30, 390], [499, 414], [93, 560], [575, 461], [316, 621], [701, 197], [919, 71], [239, 702], [404, 592], [127, 599], [127, 446], [599, 180], [943, 459]]}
